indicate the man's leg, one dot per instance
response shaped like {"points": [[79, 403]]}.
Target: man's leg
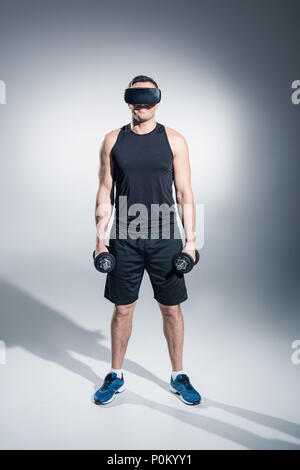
{"points": [[121, 326], [173, 327], [122, 289], [170, 291], [174, 330]]}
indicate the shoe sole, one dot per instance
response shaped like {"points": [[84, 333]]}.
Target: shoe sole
{"points": [[197, 402], [120, 390]]}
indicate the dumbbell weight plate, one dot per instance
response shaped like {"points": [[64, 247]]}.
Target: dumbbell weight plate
{"points": [[184, 263], [104, 262]]}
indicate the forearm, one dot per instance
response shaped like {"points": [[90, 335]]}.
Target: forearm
{"points": [[187, 214], [103, 211]]}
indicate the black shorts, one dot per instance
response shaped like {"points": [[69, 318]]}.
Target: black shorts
{"points": [[133, 256]]}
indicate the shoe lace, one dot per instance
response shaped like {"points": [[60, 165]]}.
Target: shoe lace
{"points": [[186, 381], [107, 381]]}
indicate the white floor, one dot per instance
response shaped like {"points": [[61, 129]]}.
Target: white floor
{"points": [[55, 324]]}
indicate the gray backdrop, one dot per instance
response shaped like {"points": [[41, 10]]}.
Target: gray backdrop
{"points": [[225, 69]]}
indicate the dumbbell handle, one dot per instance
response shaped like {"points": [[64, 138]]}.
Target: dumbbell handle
{"points": [[94, 252], [197, 256]]}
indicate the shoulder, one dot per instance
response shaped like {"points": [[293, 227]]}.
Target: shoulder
{"points": [[110, 138], [177, 141]]}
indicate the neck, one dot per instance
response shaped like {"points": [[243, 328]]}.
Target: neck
{"points": [[143, 127]]}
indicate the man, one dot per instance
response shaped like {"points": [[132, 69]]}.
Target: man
{"points": [[143, 159]]}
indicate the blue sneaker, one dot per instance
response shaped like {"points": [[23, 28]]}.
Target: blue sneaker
{"points": [[112, 384], [182, 386]]}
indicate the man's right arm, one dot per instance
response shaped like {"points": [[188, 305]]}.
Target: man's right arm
{"points": [[105, 194]]}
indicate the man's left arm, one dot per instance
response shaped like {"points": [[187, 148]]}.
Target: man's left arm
{"points": [[184, 192]]}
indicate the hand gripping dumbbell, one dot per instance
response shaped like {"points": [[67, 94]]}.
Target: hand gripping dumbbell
{"points": [[105, 262], [183, 262]]}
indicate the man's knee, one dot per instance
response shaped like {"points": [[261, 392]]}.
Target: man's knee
{"points": [[124, 310], [170, 310]]}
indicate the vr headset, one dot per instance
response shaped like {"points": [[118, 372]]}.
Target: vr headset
{"points": [[140, 95]]}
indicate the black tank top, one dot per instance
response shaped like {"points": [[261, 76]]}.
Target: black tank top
{"points": [[143, 172]]}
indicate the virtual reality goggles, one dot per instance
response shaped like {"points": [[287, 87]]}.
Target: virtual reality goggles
{"points": [[141, 95]]}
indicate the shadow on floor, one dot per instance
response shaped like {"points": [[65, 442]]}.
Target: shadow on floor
{"points": [[30, 324]]}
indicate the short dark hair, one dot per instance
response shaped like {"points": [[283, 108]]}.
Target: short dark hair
{"points": [[142, 78]]}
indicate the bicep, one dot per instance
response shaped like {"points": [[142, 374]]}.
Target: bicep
{"points": [[181, 164], [106, 180], [106, 165]]}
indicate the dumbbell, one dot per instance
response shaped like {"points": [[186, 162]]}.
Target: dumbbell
{"points": [[183, 262], [105, 262]]}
